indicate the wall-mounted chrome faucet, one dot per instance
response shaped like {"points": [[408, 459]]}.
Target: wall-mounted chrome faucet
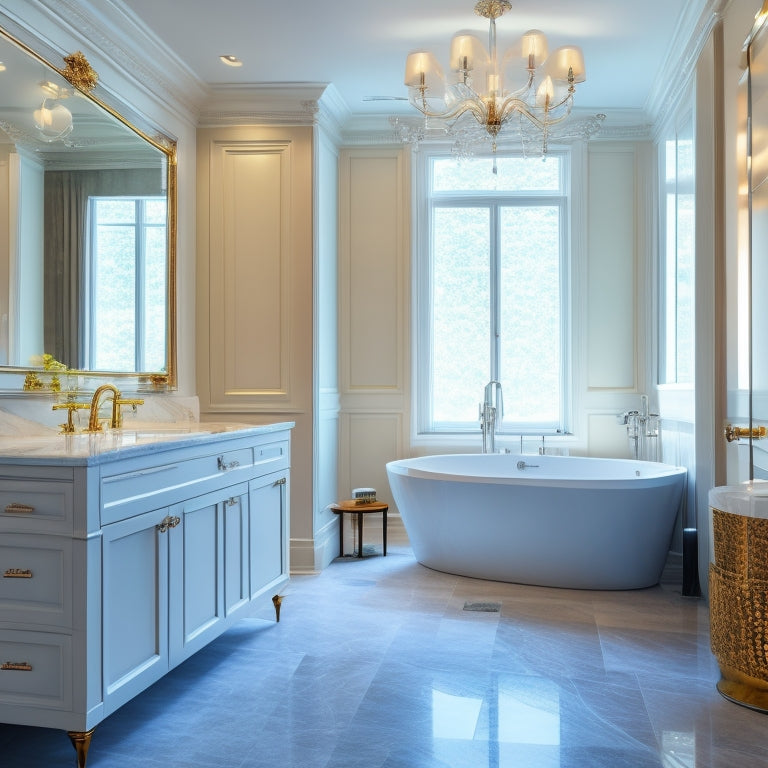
{"points": [[491, 409], [642, 431]]}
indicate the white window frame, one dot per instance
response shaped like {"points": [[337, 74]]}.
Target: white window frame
{"points": [[422, 311]]}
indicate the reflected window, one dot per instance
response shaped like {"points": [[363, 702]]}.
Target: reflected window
{"points": [[515, 710], [454, 717], [126, 284]]}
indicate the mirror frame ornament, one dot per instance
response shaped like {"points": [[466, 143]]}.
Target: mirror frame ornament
{"points": [[79, 73]]}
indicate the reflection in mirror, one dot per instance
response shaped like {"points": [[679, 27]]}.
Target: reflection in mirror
{"points": [[87, 272]]}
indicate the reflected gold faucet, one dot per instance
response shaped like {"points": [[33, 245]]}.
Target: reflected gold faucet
{"points": [[103, 393]]}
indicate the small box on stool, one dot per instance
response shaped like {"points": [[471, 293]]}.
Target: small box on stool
{"points": [[364, 495]]}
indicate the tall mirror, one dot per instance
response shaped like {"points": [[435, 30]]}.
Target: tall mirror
{"points": [[87, 272]]}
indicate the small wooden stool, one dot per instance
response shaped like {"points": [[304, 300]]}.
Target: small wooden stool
{"points": [[350, 505]]}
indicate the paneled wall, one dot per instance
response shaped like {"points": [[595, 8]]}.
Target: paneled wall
{"points": [[374, 312], [255, 293]]}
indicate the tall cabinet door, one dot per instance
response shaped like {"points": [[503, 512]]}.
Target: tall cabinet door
{"points": [[135, 605], [208, 568], [267, 530]]}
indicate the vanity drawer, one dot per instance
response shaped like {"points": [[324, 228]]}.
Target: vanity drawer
{"points": [[272, 456], [36, 505], [36, 669], [144, 488], [36, 580]]}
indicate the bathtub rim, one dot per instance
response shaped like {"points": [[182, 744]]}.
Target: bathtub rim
{"points": [[664, 474]]}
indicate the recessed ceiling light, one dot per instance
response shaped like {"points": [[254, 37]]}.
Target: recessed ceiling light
{"points": [[2, 67], [231, 61]]}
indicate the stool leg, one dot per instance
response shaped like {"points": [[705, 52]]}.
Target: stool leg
{"points": [[359, 534], [384, 532], [341, 534]]}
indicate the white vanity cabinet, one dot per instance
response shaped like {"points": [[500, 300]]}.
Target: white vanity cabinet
{"points": [[120, 561]]}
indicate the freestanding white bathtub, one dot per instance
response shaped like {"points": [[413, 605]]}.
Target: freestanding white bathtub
{"points": [[557, 521]]}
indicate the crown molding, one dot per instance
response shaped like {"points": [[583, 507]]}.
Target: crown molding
{"points": [[312, 104], [693, 30]]}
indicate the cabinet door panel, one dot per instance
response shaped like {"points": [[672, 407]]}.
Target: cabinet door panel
{"points": [[267, 530], [135, 606], [206, 568], [235, 553], [201, 537]]}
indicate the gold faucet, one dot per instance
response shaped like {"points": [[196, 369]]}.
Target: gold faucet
{"points": [[71, 406], [104, 392]]}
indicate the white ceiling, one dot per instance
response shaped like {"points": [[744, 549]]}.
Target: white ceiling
{"points": [[360, 46]]}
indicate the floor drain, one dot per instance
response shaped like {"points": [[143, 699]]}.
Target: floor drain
{"points": [[485, 607]]}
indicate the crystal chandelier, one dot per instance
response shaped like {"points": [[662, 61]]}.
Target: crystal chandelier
{"points": [[528, 88]]}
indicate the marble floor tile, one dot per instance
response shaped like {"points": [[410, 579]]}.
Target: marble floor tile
{"points": [[376, 664]]}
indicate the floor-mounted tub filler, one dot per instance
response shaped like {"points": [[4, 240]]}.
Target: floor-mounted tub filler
{"points": [[557, 521]]}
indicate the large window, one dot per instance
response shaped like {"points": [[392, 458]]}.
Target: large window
{"points": [[676, 337], [492, 292], [127, 284]]}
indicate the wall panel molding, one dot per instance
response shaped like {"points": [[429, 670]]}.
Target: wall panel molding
{"points": [[372, 274]]}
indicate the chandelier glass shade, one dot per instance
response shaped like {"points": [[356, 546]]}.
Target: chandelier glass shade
{"points": [[527, 86], [53, 123]]}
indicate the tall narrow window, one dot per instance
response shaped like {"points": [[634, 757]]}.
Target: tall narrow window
{"points": [[491, 301], [676, 342], [126, 284]]}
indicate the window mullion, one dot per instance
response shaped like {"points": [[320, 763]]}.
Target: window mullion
{"points": [[495, 280], [140, 241]]}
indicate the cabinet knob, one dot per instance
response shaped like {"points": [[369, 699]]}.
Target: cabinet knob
{"points": [[281, 481]]}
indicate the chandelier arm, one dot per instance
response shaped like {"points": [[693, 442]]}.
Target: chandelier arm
{"points": [[512, 105], [466, 105]]}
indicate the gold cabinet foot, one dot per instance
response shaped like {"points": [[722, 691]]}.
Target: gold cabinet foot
{"points": [[81, 740], [276, 600]]}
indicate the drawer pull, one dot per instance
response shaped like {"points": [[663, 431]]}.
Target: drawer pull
{"points": [[16, 666], [232, 501], [225, 466], [281, 481], [17, 573], [18, 509]]}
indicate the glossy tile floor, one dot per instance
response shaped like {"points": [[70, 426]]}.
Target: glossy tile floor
{"points": [[377, 663]]}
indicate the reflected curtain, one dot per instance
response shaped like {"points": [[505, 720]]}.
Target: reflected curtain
{"points": [[65, 249]]}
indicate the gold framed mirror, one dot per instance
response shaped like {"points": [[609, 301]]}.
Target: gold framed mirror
{"points": [[88, 198]]}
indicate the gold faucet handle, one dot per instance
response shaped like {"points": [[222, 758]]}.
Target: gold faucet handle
{"points": [[69, 427], [132, 401]]}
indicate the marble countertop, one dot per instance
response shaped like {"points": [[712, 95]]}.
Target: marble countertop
{"points": [[747, 499], [134, 439]]}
